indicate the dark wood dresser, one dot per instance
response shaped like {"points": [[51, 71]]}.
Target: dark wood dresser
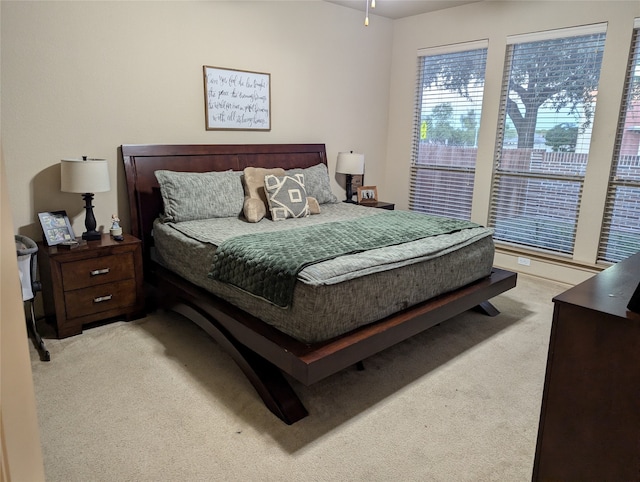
{"points": [[590, 417], [97, 281]]}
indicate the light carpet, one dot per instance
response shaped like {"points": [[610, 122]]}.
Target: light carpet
{"points": [[157, 400]]}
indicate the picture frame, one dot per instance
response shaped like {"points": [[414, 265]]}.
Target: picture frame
{"points": [[367, 194], [236, 99], [56, 227]]}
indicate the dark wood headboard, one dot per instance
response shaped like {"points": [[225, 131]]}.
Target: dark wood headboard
{"points": [[141, 161]]}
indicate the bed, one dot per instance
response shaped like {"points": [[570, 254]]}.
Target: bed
{"points": [[325, 315]]}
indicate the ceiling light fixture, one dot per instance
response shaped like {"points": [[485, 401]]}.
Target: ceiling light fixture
{"points": [[366, 17]]}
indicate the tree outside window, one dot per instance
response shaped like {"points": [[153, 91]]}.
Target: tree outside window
{"points": [[446, 129], [549, 98]]}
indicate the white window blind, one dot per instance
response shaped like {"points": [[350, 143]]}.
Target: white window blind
{"points": [[620, 236], [449, 89], [548, 102]]}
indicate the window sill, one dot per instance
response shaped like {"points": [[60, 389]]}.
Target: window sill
{"points": [[545, 265]]}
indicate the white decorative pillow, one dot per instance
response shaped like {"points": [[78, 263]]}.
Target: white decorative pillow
{"points": [[286, 196], [317, 183], [188, 196]]}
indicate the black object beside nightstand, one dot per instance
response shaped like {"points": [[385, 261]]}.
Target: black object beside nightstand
{"points": [[379, 205]]}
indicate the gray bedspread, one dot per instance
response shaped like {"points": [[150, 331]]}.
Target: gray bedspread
{"points": [[267, 264], [338, 295], [213, 232]]}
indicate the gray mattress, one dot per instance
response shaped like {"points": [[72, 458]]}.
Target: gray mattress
{"points": [[336, 296]]}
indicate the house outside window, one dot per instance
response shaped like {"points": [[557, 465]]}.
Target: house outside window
{"points": [[549, 96], [449, 92]]}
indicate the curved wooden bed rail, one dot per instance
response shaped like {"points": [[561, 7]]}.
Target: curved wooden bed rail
{"points": [[275, 391], [262, 352]]}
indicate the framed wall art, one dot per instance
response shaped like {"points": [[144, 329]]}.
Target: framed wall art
{"points": [[237, 99], [56, 227]]}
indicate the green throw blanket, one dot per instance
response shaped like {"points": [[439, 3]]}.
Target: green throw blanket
{"points": [[267, 264]]}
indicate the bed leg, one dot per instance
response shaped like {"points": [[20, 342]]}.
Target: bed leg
{"points": [[266, 378], [487, 308]]}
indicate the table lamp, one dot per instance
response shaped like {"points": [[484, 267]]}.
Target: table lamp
{"points": [[85, 176], [350, 163]]}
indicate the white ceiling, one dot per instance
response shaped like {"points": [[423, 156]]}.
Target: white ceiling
{"points": [[401, 8]]}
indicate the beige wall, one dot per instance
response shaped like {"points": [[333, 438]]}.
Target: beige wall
{"points": [[82, 78], [21, 455], [19, 433], [495, 21]]}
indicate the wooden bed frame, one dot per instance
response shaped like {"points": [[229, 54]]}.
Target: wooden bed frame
{"points": [[261, 351]]}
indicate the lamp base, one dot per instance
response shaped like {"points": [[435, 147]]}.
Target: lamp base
{"points": [[349, 189], [91, 235], [90, 221]]}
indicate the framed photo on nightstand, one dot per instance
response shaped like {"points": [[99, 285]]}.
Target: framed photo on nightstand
{"points": [[56, 227], [367, 194]]}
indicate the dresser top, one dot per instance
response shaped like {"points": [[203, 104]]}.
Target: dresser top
{"points": [[609, 291]]}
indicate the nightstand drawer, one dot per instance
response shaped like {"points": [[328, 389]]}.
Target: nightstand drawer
{"points": [[100, 298], [95, 271]]}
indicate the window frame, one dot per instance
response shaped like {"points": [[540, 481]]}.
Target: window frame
{"points": [[607, 253], [524, 241], [459, 176]]}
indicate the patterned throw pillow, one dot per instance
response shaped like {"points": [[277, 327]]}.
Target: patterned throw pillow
{"points": [[286, 196]]}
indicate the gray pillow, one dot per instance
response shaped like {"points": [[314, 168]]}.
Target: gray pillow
{"points": [[188, 196], [286, 196], [317, 183]]}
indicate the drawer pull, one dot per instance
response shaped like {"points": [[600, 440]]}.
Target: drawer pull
{"points": [[96, 272], [102, 298]]}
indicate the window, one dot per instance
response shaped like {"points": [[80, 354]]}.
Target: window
{"points": [[548, 102], [621, 227], [449, 92]]}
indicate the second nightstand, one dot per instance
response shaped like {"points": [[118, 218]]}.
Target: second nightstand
{"points": [[379, 205], [94, 282]]}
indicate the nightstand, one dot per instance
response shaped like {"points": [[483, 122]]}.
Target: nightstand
{"points": [[379, 205], [99, 280]]}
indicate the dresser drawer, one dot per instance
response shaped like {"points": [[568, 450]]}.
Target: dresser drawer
{"points": [[95, 271], [96, 299]]}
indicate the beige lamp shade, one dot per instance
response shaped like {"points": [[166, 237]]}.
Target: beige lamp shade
{"points": [[84, 175], [350, 163]]}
